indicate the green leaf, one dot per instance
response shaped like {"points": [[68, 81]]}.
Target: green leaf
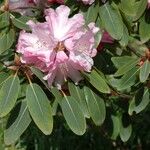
{"points": [[128, 7], [128, 79], [12, 134], [99, 34], [141, 6], [121, 61], [125, 133], [133, 107], [97, 81], [125, 38], [91, 13], [3, 77], [4, 20], [133, 8], [20, 22], [54, 108], [73, 115], [126, 67], [125, 129], [116, 127], [57, 94], [39, 108], [112, 20], [40, 75], [96, 106], [78, 94], [54, 90], [145, 71], [144, 28], [8, 95], [6, 40]]}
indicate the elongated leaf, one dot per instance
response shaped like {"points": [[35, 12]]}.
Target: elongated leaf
{"points": [[98, 36], [73, 115], [133, 107], [125, 38], [8, 95], [20, 22], [91, 14], [54, 90], [133, 8], [144, 28], [40, 75], [116, 127], [98, 81], [78, 95], [3, 77], [54, 108], [39, 108], [12, 134], [126, 67], [57, 94], [4, 19], [112, 21], [96, 106], [6, 40], [145, 71], [121, 61], [141, 6], [128, 79], [128, 7], [125, 131]]}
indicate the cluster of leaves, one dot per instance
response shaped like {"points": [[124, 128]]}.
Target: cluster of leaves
{"points": [[111, 97]]}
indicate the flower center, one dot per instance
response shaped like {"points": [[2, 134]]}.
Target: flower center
{"points": [[59, 47]]}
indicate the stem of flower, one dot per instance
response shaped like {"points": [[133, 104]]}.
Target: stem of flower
{"points": [[28, 77]]}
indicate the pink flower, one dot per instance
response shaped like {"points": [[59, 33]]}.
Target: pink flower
{"points": [[14, 4], [40, 3], [61, 47], [106, 38], [22, 6], [56, 1], [88, 1], [148, 3]]}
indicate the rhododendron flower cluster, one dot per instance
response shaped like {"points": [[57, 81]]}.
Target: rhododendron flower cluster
{"points": [[61, 47]]}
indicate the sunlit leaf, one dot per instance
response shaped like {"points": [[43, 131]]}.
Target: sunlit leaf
{"points": [[39, 108], [116, 127], [6, 40], [144, 101], [12, 134], [126, 67], [78, 94], [96, 106], [98, 81], [73, 115], [112, 20], [8, 95], [145, 71]]}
